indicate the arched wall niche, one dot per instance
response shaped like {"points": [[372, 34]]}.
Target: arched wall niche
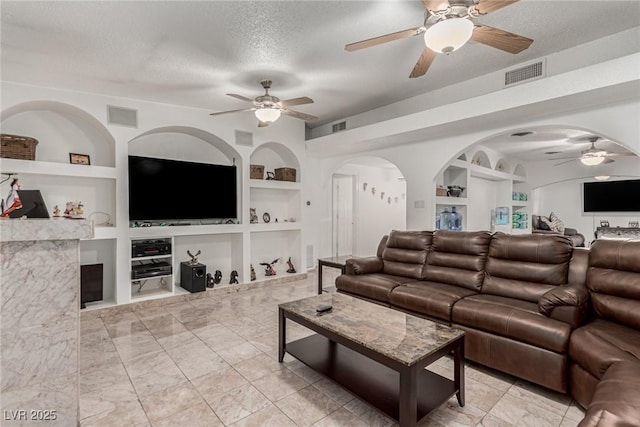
{"points": [[60, 129], [520, 170], [273, 155], [503, 166], [184, 143], [481, 158]]}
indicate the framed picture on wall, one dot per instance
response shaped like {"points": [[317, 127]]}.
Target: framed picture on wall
{"points": [[502, 215], [79, 159]]}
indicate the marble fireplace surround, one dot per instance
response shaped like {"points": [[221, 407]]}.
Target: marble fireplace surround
{"points": [[40, 320]]}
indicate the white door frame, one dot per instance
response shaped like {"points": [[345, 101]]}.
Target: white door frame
{"points": [[336, 221]]}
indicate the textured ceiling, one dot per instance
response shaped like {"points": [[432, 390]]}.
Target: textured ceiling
{"points": [[192, 53]]}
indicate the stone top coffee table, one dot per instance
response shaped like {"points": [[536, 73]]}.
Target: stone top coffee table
{"points": [[377, 353]]}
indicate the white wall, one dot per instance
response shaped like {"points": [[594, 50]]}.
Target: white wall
{"points": [[376, 215], [482, 200]]}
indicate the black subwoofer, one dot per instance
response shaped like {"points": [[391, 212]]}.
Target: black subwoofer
{"points": [[193, 276]]}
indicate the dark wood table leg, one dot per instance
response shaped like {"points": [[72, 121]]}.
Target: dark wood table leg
{"points": [[281, 335], [320, 264], [458, 360], [409, 397]]}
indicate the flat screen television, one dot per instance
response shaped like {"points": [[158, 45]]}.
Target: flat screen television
{"points": [[166, 190], [612, 196]]}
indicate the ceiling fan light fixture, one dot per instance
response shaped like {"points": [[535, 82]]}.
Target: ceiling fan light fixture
{"points": [[448, 35], [267, 115], [592, 160], [602, 177]]}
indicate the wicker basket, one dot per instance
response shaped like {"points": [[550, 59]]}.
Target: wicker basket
{"points": [[18, 147], [285, 174], [256, 172], [441, 191]]}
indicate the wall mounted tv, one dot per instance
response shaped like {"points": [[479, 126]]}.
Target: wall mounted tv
{"points": [[166, 190], [612, 196]]}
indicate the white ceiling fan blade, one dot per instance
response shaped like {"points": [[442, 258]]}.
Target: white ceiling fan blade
{"points": [[231, 111], [240, 97], [564, 163]]}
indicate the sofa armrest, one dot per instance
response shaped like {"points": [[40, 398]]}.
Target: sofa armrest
{"points": [[567, 303], [570, 231], [368, 265], [538, 231]]}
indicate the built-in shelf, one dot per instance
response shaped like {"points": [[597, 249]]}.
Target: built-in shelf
{"points": [[57, 169], [277, 226], [104, 232], [273, 184], [451, 201], [184, 230], [520, 203]]}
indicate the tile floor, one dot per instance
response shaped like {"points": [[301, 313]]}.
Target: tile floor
{"points": [[213, 362]]}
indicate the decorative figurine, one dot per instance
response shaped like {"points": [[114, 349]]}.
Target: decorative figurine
{"points": [[56, 211], [373, 190], [253, 273], [217, 277], [270, 175], [74, 210], [234, 277], [266, 217], [13, 199], [364, 186], [210, 280], [253, 217], [382, 195], [268, 267], [291, 268], [194, 258]]}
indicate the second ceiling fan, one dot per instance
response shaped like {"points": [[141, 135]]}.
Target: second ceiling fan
{"points": [[447, 27]]}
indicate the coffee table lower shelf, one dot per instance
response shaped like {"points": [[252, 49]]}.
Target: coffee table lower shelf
{"points": [[368, 379]]}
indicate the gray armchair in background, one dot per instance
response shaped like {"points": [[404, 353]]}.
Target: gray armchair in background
{"points": [[538, 227]]}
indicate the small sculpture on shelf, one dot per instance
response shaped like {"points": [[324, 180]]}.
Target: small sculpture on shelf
{"points": [[210, 280], [268, 267], [291, 268], [253, 217], [234, 277], [13, 199], [217, 277], [74, 210], [253, 273], [56, 211], [270, 175], [454, 190], [194, 258]]}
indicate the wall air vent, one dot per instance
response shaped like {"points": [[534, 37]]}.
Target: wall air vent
{"points": [[528, 72], [244, 138], [122, 116], [337, 127]]}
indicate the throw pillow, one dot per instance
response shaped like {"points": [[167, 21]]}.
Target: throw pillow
{"points": [[543, 223], [555, 223]]}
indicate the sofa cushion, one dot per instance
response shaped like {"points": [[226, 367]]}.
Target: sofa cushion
{"points": [[431, 299], [458, 258], [616, 401], [526, 266], [614, 280], [373, 286], [601, 343], [405, 253], [512, 318]]}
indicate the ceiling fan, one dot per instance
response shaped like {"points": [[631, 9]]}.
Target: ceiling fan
{"points": [[268, 108], [447, 27], [592, 156]]}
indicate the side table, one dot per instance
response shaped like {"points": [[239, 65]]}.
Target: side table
{"points": [[334, 262]]}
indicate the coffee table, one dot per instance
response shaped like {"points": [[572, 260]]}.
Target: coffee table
{"points": [[377, 353]]}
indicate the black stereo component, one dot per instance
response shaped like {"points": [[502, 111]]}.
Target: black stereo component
{"points": [[193, 276], [152, 269], [142, 248]]}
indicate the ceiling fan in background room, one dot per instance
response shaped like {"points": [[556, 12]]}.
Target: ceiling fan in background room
{"points": [[268, 108], [447, 27], [592, 156]]}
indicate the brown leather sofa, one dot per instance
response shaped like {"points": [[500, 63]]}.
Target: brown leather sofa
{"points": [[519, 298]]}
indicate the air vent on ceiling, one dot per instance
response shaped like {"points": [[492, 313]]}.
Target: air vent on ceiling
{"points": [[244, 138], [337, 127], [122, 116], [528, 72]]}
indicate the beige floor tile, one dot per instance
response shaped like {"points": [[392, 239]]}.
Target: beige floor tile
{"points": [[154, 373], [340, 418], [199, 415], [98, 356], [266, 342], [164, 325], [452, 414], [136, 345], [106, 399], [279, 384], [238, 403], [480, 395], [270, 416], [568, 422], [371, 416], [178, 340], [307, 406], [522, 412], [122, 414], [125, 328], [169, 401], [150, 313], [99, 379], [547, 399], [257, 367], [334, 390], [197, 359], [219, 382], [238, 353], [493, 421], [575, 412], [490, 377]]}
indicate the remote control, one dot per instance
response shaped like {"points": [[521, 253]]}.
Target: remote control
{"points": [[323, 308]]}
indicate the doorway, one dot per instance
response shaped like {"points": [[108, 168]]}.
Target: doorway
{"points": [[342, 214]]}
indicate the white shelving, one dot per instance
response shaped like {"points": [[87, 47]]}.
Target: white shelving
{"points": [[274, 185], [185, 230], [143, 287], [57, 169]]}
